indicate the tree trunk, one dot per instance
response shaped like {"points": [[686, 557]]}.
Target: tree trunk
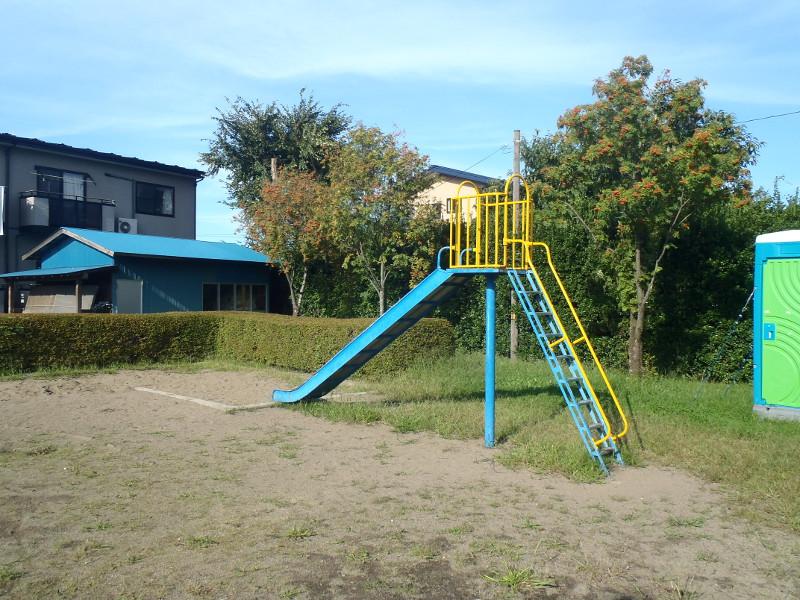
{"points": [[635, 347], [636, 330], [382, 290], [296, 296]]}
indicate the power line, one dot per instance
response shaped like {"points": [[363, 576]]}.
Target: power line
{"points": [[786, 114], [488, 156]]}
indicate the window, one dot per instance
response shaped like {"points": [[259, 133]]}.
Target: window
{"points": [[55, 183], [260, 298], [226, 301], [243, 297], [239, 296], [66, 194], [154, 199], [210, 296]]}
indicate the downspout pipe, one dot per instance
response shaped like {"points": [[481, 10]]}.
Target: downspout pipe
{"points": [[7, 210]]}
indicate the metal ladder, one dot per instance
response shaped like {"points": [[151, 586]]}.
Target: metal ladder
{"points": [[582, 402]]}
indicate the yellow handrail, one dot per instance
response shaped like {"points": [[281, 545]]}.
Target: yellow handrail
{"points": [[484, 227], [584, 338]]}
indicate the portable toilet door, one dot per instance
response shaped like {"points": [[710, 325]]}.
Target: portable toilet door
{"points": [[776, 325]]}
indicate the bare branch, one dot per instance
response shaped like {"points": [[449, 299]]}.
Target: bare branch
{"points": [[676, 221]]}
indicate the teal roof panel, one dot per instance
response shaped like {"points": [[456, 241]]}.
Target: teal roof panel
{"points": [[166, 247], [35, 273]]}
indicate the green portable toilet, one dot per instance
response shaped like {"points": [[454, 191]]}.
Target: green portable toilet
{"points": [[776, 325]]}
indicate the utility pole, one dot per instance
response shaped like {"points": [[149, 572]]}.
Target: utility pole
{"points": [[273, 168], [514, 333]]}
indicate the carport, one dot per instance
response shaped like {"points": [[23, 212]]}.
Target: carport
{"points": [[59, 289]]}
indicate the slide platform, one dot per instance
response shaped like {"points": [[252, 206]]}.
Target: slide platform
{"points": [[437, 287]]}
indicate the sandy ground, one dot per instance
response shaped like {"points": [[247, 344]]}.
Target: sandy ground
{"points": [[109, 492]]}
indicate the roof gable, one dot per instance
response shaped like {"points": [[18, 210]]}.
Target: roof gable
{"points": [[68, 252]]}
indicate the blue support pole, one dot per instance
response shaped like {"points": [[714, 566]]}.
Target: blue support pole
{"points": [[489, 375]]}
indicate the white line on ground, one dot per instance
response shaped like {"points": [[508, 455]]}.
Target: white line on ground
{"points": [[343, 395], [208, 403]]}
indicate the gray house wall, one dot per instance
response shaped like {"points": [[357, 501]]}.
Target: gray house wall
{"points": [[113, 180]]}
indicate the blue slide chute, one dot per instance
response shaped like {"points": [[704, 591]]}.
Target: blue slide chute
{"points": [[437, 287]]}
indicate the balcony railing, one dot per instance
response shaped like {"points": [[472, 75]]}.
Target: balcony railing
{"points": [[48, 210]]}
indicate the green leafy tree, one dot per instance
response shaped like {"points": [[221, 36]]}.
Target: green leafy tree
{"points": [[287, 226], [632, 168], [249, 135], [375, 179]]}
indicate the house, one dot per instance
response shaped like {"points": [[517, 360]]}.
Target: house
{"points": [[80, 270], [446, 182], [45, 186]]}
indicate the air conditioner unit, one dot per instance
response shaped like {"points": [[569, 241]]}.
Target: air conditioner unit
{"points": [[127, 225]]}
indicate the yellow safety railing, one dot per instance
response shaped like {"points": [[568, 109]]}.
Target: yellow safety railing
{"points": [[491, 230], [583, 338]]}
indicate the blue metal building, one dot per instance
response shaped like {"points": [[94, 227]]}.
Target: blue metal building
{"points": [[82, 270]]}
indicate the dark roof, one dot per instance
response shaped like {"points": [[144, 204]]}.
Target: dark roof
{"points": [[462, 175], [7, 138], [112, 243]]}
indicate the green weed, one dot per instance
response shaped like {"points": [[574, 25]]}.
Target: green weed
{"points": [[201, 542], [424, 552], [686, 521], [359, 556], [9, 573], [516, 579], [300, 533]]}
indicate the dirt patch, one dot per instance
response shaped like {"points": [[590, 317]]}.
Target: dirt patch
{"points": [[110, 492]]}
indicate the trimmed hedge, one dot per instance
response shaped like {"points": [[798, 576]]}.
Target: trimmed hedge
{"points": [[32, 342]]}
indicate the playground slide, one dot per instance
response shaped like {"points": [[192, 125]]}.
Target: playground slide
{"points": [[416, 304]]}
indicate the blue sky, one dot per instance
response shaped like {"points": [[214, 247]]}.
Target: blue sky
{"points": [[144, 78]]}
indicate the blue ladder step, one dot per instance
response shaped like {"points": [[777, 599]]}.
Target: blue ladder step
{"points": [[543, 319]]}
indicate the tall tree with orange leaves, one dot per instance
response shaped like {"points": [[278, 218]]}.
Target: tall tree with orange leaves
{"points": [[287, 225], [632, 168]]}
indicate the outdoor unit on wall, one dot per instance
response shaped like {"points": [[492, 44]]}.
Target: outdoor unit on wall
{"points": [[127, 225]]}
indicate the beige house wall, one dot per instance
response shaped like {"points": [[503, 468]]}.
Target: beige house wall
{"points": [[439, 192]]}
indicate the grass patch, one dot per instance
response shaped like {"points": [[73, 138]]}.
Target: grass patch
{"points": [[300, 533], [424, 552], [686, 521], [708, 429], [359, 556], [461, 529], [518, 579], [41, 450], [201, 542], [9, 573]]}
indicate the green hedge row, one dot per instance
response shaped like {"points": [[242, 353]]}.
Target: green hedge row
{"points": [[306, 343], [32, 342]]}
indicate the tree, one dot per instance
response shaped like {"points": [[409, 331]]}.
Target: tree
{"points": [[632, 167], [249, 135], [287, 226], [375, 179]]}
